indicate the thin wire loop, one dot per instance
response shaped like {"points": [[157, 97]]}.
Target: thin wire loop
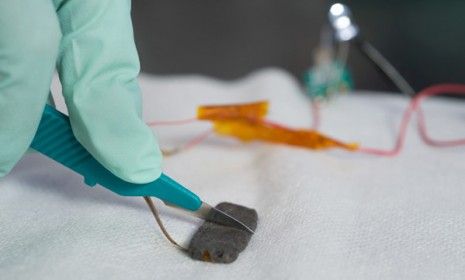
{"points": [[156, 215], [414, 106]]}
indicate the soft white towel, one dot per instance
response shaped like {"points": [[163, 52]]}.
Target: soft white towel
{"points": [[322, 215]]}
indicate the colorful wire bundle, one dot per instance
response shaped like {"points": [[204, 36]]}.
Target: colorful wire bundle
{"points": [[413, 107]]}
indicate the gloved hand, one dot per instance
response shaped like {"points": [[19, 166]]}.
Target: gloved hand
{"points": [[91, 43]]}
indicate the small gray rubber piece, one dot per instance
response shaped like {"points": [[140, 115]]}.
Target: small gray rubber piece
{"points": [[217, 243]]}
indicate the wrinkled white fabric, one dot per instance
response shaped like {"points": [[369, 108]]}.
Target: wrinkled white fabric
{"points": [[322, 215]]}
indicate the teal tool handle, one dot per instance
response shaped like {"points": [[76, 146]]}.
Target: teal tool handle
{"points": [[55, 139]]}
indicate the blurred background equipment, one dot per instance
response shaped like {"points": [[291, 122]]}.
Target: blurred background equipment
{"points": [[346, 31], [424, 39]]}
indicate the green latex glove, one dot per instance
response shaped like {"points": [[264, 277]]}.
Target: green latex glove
{"points": [[91, 44]]}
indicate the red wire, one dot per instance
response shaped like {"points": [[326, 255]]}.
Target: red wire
{"points": [[315, 115], [456, 89], [197, 140], [191, 143], [173, 122], [430, 141]]}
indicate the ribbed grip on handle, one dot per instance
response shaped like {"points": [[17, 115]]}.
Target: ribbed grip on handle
{"points": [[55, 139]]}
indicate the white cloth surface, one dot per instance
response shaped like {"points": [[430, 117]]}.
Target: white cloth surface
{"points": [[322, 215]]}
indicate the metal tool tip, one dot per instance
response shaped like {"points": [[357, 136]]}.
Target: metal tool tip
{"points": [[220, 217]]}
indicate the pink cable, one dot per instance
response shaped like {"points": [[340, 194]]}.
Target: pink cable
{"points": [[315, 115], [173, 122], [191, 143], [197, 140], [456, 89]]}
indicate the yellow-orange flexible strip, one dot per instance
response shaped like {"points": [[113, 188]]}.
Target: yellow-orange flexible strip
{"points": [[246, 122], [256, 110], [261, 130]]}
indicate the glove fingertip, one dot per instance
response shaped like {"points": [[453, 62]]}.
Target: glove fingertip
{"points": [[141, 175]]}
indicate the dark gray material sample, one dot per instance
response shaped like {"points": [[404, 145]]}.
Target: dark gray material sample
{"points": [[217, 243]]}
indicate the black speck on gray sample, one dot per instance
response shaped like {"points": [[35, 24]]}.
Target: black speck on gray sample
{"points": [[217, 243]]}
